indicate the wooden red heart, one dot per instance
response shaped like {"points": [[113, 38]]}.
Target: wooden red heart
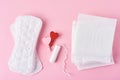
{"points": [[53, 36]]}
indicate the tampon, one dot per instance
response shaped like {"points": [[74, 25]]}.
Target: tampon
{"points": [[55, 53]]}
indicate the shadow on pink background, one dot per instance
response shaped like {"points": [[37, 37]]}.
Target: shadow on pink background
{"points": [[57, 15]]}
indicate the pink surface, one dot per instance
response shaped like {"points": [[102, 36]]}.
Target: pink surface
{"points": [[58, 16]]}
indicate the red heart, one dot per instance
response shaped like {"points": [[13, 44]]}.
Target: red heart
{"points": [[53, 36]]}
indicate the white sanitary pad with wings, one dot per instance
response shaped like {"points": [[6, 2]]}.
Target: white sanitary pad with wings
{"points": [[24, 59], [92, 41]]}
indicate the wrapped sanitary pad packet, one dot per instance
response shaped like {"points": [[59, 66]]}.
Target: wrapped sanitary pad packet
{"points": [[92, 41]]}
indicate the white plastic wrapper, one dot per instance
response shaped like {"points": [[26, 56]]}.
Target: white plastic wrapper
{"points": [[92, 41]]}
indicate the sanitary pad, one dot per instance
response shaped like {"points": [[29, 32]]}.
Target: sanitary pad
{"points": [[92, 41], [24, 58]]}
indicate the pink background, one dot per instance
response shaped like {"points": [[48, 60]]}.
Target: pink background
{"points": [[57, 15]]}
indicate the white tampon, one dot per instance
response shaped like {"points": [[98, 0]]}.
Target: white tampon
{"points": [[55, 53]]}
